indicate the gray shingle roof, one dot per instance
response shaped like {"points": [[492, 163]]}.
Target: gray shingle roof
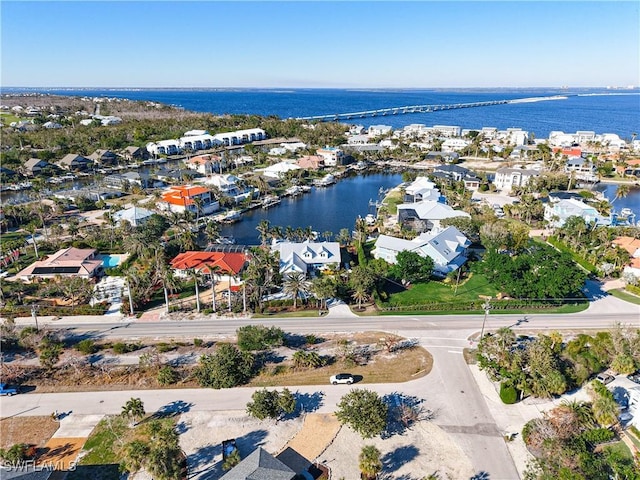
{"points": [[260, 465]]}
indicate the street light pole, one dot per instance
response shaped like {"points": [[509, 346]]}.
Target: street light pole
{"points": [[486, 306], [129, 295]]}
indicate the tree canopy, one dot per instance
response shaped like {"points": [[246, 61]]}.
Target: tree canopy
{"points": [[227, 367], [364, 411], [412, 267]]}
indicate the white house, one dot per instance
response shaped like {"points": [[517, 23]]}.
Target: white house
{"points": [[426, 215], [278, 170], [421, 189], [507, 178], [446, 247], [447, 130], [377, 130], [581, 168], [307, 257], [229, 187], [557, 213], [136, 216], [454, 144], [332, 155]]}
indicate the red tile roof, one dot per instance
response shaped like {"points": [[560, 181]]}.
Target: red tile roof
{"points": [[183, 195], [201, 261]]}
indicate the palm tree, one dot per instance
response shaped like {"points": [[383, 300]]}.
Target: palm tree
{"points": [[360, 295], [214, 272], [196, 276], [212, 231], [296, 284], [370, 463], [32, 228], [263, 229], [621, 192], [133, 409], [165, 276], [582, 411]]}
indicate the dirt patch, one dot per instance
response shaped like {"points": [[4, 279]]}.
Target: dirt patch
{"points": [[317, 433], [61, 452], [30, 430]]}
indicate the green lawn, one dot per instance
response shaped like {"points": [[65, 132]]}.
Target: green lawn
{"points": [[621, 448], [439, 292], [7, 118], [105, 440], [392, 201], [627, 297]]}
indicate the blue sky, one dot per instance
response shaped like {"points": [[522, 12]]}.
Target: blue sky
{"points": [[319, 44]]}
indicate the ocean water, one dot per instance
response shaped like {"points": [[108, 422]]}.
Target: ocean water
{"points": [[599, 110]]}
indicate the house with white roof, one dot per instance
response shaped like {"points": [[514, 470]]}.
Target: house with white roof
{"points": [[507, 178], [229, 186], [446, 247], [447, 130], [454, 144], [558, 213], [377, 130], [426, 215], [136, 216], [422, 189], [307, 257], [278, 170], [203, 164]]}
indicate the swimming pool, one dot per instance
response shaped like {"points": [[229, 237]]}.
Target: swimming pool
{"points": [[110, 261]]}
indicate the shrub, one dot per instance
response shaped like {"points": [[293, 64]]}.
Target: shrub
{"points": [[197, 342], [508, 394], [167, 376], [165, 347], [120, 347], [598, 435], [86, 346], [311, 339], [259, 337], [15, 454]]}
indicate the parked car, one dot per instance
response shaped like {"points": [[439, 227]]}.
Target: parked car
{"points": [[605, 378], [634, 377], [341, 378], [5, 390]]}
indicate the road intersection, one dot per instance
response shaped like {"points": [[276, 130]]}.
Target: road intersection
{"points": [[449, 390]]}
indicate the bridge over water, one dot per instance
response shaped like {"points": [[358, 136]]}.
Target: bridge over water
{"points": [[420, 109]]}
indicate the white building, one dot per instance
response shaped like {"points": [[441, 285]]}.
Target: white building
{"points": [[332, 156], [377, 130], [307, 257], [507, 178], [427, 214], [421, 189], [447, 130], [582, 169], [447, 248], [557, 213], [454, 144], [278, 170]]}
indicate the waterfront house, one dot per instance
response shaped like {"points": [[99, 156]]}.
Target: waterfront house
{"points": [[35, 166], [457, 174], [278, 170], [446, 247], [225, 266], [104, 157], [51, 125], [229, 186], [507, 178], [241, 136], [446, 130], [426, 215], [69, 262], [454, 144], [189, 198], [203, 164], [136, 216], [631, 245], [164, 147], [332, 156], [128, 179], [581, 169], [307, 257], [557, 213], [422, 189], [311, 162], [358, 140], [133, 153], [436, 156], [75, 162]]}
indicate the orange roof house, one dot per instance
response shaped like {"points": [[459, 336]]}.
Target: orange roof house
{"points": [[228, 262], [631, 245], [311, 162], [181, 198]]}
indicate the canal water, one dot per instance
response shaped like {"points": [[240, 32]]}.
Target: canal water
{"points": [[324, 208]]}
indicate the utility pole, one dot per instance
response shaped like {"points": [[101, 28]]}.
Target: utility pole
{"points": [[486, 306], [130, 299]]}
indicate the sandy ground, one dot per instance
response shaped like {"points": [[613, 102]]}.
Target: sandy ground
{"points": [[202, 433], [411, 454]]}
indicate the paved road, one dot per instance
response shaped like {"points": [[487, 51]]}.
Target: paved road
{"points": [[449, 390]]}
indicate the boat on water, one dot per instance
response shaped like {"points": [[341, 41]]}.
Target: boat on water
{"points": [[293, 191], [230, 216], [370, 219], [325, 181], [270, 201], [626, 212]]}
